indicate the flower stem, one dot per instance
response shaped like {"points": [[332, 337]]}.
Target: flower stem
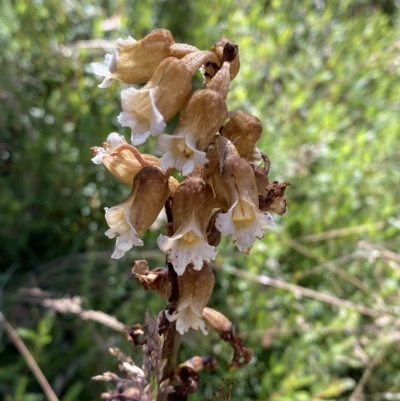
{"points": [[171, 336]]}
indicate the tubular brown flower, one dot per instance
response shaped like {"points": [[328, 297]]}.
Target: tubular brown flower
{"points": [[192, 207], [200, 119], [138, 212], [120, 159], [195, 288], [236, 190], [135, 61]]}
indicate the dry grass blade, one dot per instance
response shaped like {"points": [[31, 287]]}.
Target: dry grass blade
{"points": [[327, 264], [330, 299], [357, 394], [70, 305], [342, 232], [30, 361]]}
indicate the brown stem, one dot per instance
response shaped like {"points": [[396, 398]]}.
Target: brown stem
{"points": [[171, 336], [30, 361], [170, 353]]}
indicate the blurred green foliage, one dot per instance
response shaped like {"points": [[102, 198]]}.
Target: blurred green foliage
{"points": [[324, 79]]}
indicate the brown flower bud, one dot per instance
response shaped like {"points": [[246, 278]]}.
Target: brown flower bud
{"points": [[198, 363], [224, 327], [221, 82], [122, 160], [244, 130], [234, 178], [151, 191], [193, 201], [226, 50], [216, 155], [219, 322]]}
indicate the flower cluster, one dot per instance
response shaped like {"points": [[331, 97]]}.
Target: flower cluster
{"points": [[207, 171]]}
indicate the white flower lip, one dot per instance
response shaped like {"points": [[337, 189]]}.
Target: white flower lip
{"points": [[243, 232], [120, 226], [182, 252], [113, 141], [173, 157], [104, 70], [186, 319], [140, 113], [109, 66]]}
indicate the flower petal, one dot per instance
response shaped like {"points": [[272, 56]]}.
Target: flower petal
{"points": [[103, 70], [181, 252], [140, 113], [186, 319], [113, 141], [120, 226], [139, 126], [174, 157], [243, 233]]}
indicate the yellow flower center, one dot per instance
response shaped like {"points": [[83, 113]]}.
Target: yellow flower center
{"points": [[190, 236], [243, 212], [182, 147]]}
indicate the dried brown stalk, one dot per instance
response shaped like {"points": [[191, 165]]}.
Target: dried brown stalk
{"points": [[30, 361]]}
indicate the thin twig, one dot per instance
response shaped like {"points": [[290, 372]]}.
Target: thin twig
{"points": [[375, 251], [95, 44], [70, 305], [30, 361], [326, 263], [299, 330], [330, 299], [373, 363], [342, 260], [341, 232]]}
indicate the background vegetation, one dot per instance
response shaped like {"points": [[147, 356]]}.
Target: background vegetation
{"points": [[324, 79]]}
